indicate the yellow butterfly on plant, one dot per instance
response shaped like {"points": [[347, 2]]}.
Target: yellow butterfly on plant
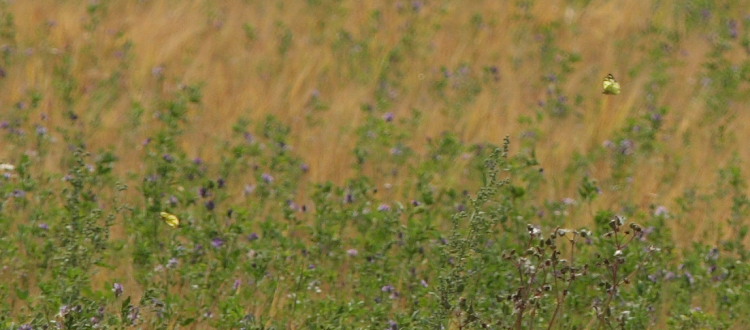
{"points": [[171, 219]]}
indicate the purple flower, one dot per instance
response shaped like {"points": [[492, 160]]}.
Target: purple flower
{"points": [[416, 6], [384, 207], [43, 226], [217, 242], [173, 200], [133, 315], [26, 327], [657, 117], [267, 177], [197, 161], [305, 168], [388, 116], [349, 198], [669, 276], [203, 192], [210, 205], [4, 124], [19, 193], [117, 289], [168, 158], [157, 71], [172, 263], [64, 310], [252, 237], [661, 211], [392, 325], [388, 288], [733, 29], [646, 231], [41, 130], [236, 285], [627, 147], [424, 283], [220, 182], [352, 252]]}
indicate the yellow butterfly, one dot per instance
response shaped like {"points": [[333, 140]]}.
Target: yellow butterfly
{"points": [[611, 86], [171, 219]]}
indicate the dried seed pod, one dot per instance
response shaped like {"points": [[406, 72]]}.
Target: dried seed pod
{"points": [[620, 220], [613, 224]]}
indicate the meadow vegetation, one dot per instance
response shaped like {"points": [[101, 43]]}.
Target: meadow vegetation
{"points": [[340, 164]]}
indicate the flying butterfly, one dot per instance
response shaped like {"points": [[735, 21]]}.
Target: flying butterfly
{"points": [[611, 86], [171, 219]]}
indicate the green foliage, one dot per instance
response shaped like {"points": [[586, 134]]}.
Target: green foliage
{"points": [[428, 233]]}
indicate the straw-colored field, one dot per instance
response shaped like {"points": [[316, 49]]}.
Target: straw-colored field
{"points": [[340, 50]]}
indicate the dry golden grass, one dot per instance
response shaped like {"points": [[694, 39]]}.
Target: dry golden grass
{"points": [[204, 42]]}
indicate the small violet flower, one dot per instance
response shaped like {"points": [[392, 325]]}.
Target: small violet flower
{"points": [[217, 242], [117, 289]]}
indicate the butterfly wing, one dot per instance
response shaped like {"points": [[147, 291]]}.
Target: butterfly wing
{"points": [[610, 86], [171, 219]]}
